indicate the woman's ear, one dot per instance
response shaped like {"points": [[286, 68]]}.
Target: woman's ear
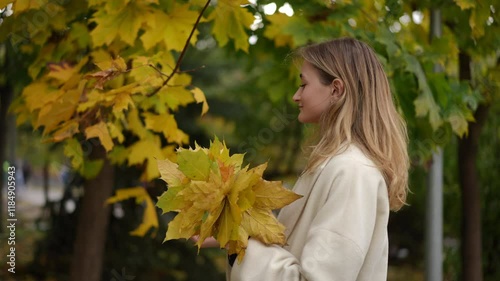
{"points": [[337, 88]]}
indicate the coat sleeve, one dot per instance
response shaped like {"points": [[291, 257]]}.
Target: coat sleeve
{"points": [[339, 235]]}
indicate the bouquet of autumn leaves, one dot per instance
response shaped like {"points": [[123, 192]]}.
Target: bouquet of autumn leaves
{"points": [[214, 196]]}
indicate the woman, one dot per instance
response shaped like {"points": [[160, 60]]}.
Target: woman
{"points": [[356, 173]]}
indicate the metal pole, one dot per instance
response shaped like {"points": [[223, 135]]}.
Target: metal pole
{"points": [[434, 216]]}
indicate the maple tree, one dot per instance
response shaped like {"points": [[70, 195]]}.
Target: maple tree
{"points": [[215, 196], [106, 81]]}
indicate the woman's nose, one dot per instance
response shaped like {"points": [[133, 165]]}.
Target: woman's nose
{"points": [[296, 97]]}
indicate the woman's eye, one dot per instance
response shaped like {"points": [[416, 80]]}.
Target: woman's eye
{"points": [[302, 85]]}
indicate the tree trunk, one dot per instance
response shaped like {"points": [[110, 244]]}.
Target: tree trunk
{"points": [[469, 183], [46, 179], [93, 223], [6, 94]]}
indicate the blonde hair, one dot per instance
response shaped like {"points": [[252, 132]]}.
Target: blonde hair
{"points": [[365, 115]]}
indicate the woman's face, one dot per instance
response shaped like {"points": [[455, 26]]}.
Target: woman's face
{"points": [[312, 96]]}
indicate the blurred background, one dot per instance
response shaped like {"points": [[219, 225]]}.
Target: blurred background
{"points": [[91, 92]]}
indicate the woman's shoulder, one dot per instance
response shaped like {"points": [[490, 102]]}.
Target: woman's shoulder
{"points": [[350, 160]]}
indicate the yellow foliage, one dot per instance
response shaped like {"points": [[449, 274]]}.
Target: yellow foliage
{"points": [[24, 5], [175, 97], [4, 3], [122, 95], [465, 4], [109, 70], [74, 151], [199, 96], [230, 21], [214, 196], [166, 124], [58, 111], [171, 29], [121, 23], [150, 219], [275, 30], [33, 92], [100, 131], [145, 152], [67, 130]]}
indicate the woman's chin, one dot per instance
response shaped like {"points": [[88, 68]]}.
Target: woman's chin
{"points": [[305, 120]]}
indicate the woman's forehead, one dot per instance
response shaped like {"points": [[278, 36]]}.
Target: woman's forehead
{"points": [[307, 70]]}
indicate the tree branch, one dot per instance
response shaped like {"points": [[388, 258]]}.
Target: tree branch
{"points": [[179, 60]]}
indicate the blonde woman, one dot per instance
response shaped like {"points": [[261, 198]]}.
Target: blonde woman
{"points": [[356, 173]]}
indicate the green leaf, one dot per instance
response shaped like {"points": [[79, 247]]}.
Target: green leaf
{"points": [[458, 122], [477, 20], [169, 200], [73, 150], [91, 168], [118, 155], [425, 103], [195, 164]]}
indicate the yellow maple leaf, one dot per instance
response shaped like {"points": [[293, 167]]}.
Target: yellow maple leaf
{"points": [[38, 94], [58, 111], [142, 69], [270, 194], [115, 131], [100, 130], [150, 219], [230, 21], [166, 124], [199, 96], [122, 102], [175, 97], [263, 225], [65, 74], [121, 23], [62, 71], [109, 70], [207, 226], [172, 29], [135, 125], [146, 151], [169, 172], [214, 196], [67, 130]]}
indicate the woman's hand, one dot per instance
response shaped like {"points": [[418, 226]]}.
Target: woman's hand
{"points": [[210, 242]]}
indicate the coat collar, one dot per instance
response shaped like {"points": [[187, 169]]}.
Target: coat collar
{"points": [[290, 214]]}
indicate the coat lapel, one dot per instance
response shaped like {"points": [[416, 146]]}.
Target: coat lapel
{"points": [[290, 214]]}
